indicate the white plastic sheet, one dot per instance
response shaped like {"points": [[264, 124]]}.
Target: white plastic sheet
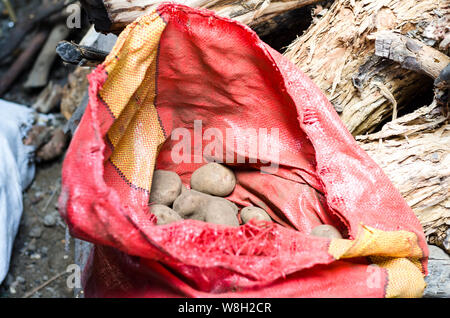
{"points": [[16, 173]]}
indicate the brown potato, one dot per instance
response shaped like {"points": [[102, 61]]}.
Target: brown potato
{"points": [[214, 179], [189, 205], [164, 214], [325, 230], [220, 212], [192, 204], [166, 187], [253, 212]]}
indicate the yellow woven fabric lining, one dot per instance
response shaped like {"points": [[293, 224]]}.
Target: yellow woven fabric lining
{"points": [[396, 251], [129, 92]]}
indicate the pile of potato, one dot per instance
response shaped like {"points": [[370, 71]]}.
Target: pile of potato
{"points": [[171, 201]]}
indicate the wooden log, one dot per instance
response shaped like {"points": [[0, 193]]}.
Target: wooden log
{"points": [[338, 53], [410, 53], [48, 99], [413, 151], [114, 15], [22, 61], [38, 76]]}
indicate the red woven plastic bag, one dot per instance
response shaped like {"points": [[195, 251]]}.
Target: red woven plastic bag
{"points": [[178, 66]]}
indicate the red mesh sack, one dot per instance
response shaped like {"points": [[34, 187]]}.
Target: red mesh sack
{"points": [[189, 72]]}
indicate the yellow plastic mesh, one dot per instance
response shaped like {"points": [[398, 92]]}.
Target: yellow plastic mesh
{"points": [[396, 251], [129, 93]]}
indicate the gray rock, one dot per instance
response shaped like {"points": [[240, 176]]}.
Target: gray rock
{"points": [[32, 245], [438, 279], [35, 232], [44, 250], [21, 280], [35, 256], [49, 220]]}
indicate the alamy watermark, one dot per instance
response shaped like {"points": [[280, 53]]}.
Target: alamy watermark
{"points": [[259, 147], [375, 278], [73, 280], [73, 20]]}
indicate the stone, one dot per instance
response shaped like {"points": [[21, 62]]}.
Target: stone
{"points": [[49, 220], [36, 231], [438, 279]]}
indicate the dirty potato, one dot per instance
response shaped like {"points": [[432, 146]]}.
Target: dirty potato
{"points": [[325, 230], [220, 212], [214, 179], [189, 205], [164, 214], [166, 187], [252, 212], [194, 205]]}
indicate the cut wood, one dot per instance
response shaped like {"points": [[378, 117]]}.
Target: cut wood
{"points": [[413, 151], [22, 61], [48, 99], [410, 53], [38, 76], [115, 15], [338, 53]]}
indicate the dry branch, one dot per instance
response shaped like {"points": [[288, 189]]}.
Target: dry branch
{"points": [[38, 76], [338, 54], [410, 53]]}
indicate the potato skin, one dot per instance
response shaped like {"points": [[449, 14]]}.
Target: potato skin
{"points": [[214, 179], [196, 205], [164, 214], [253, 212], [166, 187], [189, 205], [220, 212], [326, 230]]}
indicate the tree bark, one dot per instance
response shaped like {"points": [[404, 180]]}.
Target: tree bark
{"points": [[413, 151], [338, 53]]}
